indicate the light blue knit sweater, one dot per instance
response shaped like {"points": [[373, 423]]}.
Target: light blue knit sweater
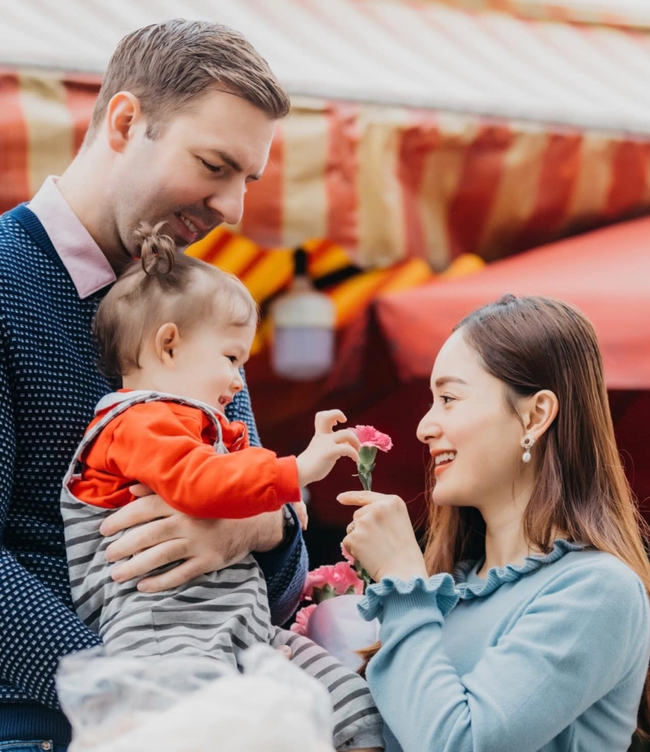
{"points": [[548, 656]]}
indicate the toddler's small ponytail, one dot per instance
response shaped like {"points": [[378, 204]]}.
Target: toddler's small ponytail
{"points": [[157, 251]]}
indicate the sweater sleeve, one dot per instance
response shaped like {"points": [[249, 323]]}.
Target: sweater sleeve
{"points": [[153, 444], [36, 628], [285, 568], [586, 632]]}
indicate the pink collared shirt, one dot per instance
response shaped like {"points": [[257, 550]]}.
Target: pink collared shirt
{"points": [[82, 257]]}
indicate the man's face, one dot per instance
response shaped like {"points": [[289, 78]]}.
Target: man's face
{"points": [[193, 176]]}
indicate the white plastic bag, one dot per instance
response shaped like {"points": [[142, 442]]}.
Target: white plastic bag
{"points": [[185, 704]]}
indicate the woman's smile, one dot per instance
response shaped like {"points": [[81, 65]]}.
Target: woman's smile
{"points": [[442, 460]]}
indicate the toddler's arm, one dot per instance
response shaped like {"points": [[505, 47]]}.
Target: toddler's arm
{"points": [[153, 444]]}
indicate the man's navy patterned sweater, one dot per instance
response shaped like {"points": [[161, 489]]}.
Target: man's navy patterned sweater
{"points": [[48, 389]]}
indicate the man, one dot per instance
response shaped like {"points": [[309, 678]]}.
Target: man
{"points": [[183, 122]]}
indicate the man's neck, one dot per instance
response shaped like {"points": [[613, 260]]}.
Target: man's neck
{"points": [[89, 201]]}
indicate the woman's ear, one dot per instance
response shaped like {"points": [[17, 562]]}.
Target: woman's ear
{"points": [[539, 412], [165, 343]]}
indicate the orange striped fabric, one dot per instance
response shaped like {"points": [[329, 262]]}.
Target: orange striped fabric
{"points": [[634, 15], [386, 183], [267, 272]]}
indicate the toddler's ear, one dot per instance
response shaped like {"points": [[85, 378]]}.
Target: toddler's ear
{"points": [[166, 341]]}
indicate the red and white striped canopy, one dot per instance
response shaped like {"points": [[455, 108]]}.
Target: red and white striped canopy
{"points": [[418, 129]]}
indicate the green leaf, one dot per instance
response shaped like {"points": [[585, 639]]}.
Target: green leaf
{"points": [[324, 593]]}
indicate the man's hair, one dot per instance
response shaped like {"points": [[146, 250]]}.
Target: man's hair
{"points": [[168, 65], [164, 286]]}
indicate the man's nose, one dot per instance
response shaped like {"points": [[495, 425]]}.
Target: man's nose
{"points": [[228, 202]]}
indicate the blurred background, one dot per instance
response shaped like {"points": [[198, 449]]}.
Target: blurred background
{"points": [[438, 155]]}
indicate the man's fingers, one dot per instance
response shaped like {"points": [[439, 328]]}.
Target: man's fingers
{"points": [[146, 561], [325, 420], [141, 510], [139, 489], [140, 538], [179, 575]]}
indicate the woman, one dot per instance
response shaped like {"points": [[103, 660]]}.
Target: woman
{"points": [[541, 640]]}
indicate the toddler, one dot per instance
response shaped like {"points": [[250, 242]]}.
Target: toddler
{"points": [[176, 331]]}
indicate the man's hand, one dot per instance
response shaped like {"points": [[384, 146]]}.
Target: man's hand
{"points": [[163, 536], [300, 509]]}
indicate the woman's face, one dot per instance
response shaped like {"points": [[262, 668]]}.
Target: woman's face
{"points": [[473, 435]]}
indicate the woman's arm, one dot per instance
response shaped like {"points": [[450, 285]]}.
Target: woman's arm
{"points": [[584, 634]]}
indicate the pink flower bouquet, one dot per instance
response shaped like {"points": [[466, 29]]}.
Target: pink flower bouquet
{"points": [[324, 583]]}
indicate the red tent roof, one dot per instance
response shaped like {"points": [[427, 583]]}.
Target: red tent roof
{"points": [[605, 273]]}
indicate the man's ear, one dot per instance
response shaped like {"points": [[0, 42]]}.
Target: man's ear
{"points": [[165, 343], [122, 113], [539, 412]]}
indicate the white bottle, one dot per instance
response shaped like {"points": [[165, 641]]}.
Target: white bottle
{"points": [[304, 327]]}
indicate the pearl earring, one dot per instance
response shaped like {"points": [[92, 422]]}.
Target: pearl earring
{"points": [[527, 442]]}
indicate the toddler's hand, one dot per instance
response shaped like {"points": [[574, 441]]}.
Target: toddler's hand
{"points": [[326, 448], [301, 513]]}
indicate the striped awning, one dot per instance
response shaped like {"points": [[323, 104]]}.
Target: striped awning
{"points": [[418, 129], [623, 13], [266, 272]]}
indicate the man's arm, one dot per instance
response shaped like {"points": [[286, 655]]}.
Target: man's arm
{"points": [[285, 568], [36, 628]]}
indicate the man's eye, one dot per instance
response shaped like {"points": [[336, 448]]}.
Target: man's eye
{"points": [[216, 169]]}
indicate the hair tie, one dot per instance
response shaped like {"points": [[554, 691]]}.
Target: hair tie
{"points": [[157, 251]]}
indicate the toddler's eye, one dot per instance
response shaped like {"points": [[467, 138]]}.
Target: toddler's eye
{"points": [[232, 358]]}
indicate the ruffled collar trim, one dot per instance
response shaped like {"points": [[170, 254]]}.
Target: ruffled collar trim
{"points": [[498, 576]]}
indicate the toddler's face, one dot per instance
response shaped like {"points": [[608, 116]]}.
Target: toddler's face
{"points": [[207, 363]]}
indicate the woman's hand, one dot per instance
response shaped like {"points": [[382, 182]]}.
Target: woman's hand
{"points": [[381, 536], [159, 535]]}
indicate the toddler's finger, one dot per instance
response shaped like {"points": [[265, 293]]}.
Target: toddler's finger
{"points": [[345, 450], [325, 420], [347, 436]]}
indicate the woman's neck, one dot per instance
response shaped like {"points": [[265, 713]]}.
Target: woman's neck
{"points": [[505, 542]]}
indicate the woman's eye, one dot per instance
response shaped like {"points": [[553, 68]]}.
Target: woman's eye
{"points": [[446, 399]]}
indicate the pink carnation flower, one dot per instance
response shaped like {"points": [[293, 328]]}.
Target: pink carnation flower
{"points": [[370, 436], [347, 555], [339, 578], [302, 619]]}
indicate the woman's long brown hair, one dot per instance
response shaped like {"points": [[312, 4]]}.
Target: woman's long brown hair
{"points": [[581, 493]]}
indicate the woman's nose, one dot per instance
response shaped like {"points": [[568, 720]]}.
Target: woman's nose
{"points": [[428, 428]]}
